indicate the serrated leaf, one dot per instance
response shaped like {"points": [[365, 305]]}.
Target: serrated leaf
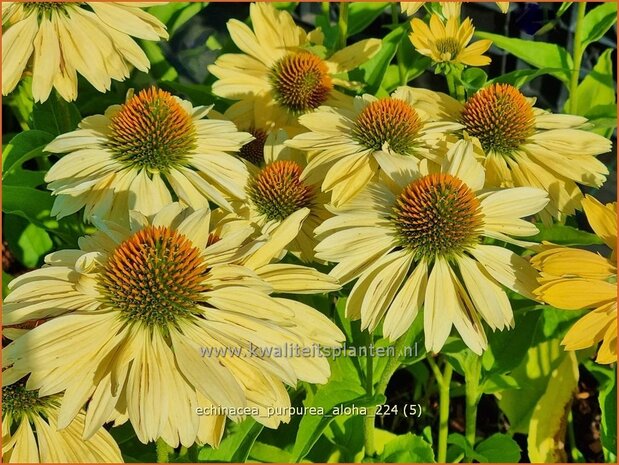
{"points": [[538, 54]]}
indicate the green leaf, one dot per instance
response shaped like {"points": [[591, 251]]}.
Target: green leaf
{"points": [[267, 453], [29, 242], [175, 14], [236, 444], [35, 206], [608, 406], [474, 79], [538, 54], [133, 451], [407, 448], [550, 25], [373, 71], [463, 446], [597, 22], [334, 394], [548, 423], [497, 383], [520, 77], [499, 448], [532, 375], [55, 116], [597, 88], [160, 68], [564, 235], [362, 14], [507, 348], [23, 147], [20, 101], [6, 279]]}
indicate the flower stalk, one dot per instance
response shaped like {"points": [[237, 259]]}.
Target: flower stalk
{"points": [[577, 52], [472, 375], [342, 25]]}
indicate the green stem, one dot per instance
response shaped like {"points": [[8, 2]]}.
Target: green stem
{"points": [[395, 19], [326, 10], [576, 455], [577, 53], [163, 451], [443, 413], [444, 382], [451, 84], [342, 25], [472, 375], [368, 423], [393, 363]]}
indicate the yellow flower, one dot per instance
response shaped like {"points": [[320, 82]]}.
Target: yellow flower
{"points": [[139, 154], [522, 145], [347, 148], [153, 322], [66, 38], [448, 42], [281, 201], [449, 9], [416, 241], [30, 431], [280, 68], [573, 279]]}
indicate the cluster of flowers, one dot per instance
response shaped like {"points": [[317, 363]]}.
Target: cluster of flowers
{"points": [[414, 198]]}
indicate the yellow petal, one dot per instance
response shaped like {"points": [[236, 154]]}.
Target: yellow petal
{"points": [[603, 219], [577, 293]]}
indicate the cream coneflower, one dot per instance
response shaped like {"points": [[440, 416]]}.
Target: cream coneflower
{"points": [[448, 42], [61, 39], [347, 148], [526, 146], [278, 69], [30, 432], [573, 279], [418, 243], [279, 201], [152, 322], [141, 154]]}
